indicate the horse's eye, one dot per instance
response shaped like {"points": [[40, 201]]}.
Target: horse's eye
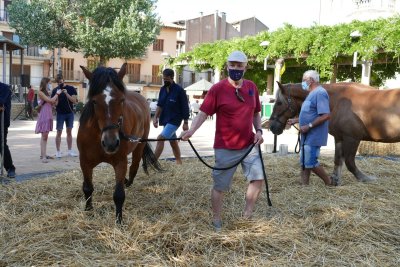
{"points": [[279, 103], [94, 102]]}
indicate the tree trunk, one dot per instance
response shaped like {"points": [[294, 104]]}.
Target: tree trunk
{"points": [[102, 62]]}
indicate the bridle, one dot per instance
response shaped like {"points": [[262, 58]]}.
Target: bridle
{"points": [[113, 125], [293, 110], [118, 125]]}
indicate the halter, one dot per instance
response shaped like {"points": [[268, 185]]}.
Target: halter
{"points": [[113, 125], [289, 107]]}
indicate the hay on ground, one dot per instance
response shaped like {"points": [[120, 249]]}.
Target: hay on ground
{"points": [[167, 220], [367, 148]]}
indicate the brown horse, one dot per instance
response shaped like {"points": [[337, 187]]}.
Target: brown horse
{"points": [[358, 112], [111, 115]]}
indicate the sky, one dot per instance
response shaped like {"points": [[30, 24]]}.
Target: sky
{"points": [[273, 13]]}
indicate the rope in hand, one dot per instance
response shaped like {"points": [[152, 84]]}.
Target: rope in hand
{"points": [[298, 143], [297, 147], [211, 167]]}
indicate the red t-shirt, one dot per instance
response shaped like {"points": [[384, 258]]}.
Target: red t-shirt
{"points": [[234, 123], [31, 95]]}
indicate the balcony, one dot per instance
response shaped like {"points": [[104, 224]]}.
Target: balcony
{"points": [[72, 75], [4, 16], [30, 51], [143, 79]]}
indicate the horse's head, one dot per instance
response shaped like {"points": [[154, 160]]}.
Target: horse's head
{"points": [[106, 98], [287, 105]]}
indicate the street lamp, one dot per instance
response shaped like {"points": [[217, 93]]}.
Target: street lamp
{"points": [[265, 44], [355, 36]]}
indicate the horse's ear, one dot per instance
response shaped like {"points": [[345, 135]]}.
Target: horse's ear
{"points": [[122, 71], [281, 87], [87, 73]]}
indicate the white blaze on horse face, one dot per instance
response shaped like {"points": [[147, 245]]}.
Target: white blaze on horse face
{"points": [[108, 97]]}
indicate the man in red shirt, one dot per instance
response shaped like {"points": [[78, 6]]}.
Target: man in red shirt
{"points": [[236, 103], [29, 99]]}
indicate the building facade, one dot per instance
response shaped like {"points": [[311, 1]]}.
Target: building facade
{"points": [[143, 74], [208, 29]]}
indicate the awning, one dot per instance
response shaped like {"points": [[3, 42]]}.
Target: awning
{"points": [[202, 85]]}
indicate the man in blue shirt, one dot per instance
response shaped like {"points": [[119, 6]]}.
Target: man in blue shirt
{"points": [[5, 107], [313, 120], [64, 108], [172, 108]]}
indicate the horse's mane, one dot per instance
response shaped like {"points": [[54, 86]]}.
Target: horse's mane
{"points": [[101, 77]]}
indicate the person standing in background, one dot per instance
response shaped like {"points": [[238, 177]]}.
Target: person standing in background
{"points": [[195, 107], [172, 108], [30, 97], [64, 108], [44, 123]]}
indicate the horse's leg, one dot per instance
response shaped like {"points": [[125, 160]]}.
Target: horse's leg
{"points": [[119, 192], [337, 170], [87, 184], [136, 157], [350, 146]]}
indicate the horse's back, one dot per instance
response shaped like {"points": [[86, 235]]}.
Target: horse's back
{"points": [[364, 112]]}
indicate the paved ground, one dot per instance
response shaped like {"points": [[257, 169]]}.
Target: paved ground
{"points": [[25, 147]]}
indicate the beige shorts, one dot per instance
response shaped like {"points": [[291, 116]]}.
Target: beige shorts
{"points": [[251, 166]]}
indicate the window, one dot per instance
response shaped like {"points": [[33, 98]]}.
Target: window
{"points": [[158, 45], [155, 74], [67, 68], [8, 35], [133, 72]]}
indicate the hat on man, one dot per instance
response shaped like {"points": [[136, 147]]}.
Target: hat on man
{"points": [[237, 56]]}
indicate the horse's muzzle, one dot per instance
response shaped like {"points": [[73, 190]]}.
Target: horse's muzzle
{"points": [[276, 127], [109, 143]]}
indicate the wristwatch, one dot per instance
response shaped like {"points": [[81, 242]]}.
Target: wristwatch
{"points": [[310, 125], [259, 130]]}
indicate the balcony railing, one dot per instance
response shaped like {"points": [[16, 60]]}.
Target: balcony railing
{"points": [[143, 79], [4, 15], [72, 75], [30, 51]]}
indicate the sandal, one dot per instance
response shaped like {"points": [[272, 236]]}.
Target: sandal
{"points": [[47, 157]]}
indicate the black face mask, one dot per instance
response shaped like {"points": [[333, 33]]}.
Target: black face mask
{"points": [[167, 83], [61, 85]]}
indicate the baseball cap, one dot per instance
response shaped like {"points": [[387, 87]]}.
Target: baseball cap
{"points": [[237, 56]]}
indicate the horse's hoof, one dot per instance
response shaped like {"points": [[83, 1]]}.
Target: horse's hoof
{"points": [[335, 180], [128, 183], [118, 220], [368, 179]]}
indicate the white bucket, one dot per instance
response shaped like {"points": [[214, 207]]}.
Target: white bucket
{"points": [[283, 149], [268, 148]]}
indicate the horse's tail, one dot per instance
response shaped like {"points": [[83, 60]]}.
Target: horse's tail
{"points": [[149, 157]]}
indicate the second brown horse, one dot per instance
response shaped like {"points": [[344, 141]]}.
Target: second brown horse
{"points": [[358, 112]]}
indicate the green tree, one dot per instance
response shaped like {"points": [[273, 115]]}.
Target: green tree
{"points": [[328, 49], [101, 28], [43, 23]]}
